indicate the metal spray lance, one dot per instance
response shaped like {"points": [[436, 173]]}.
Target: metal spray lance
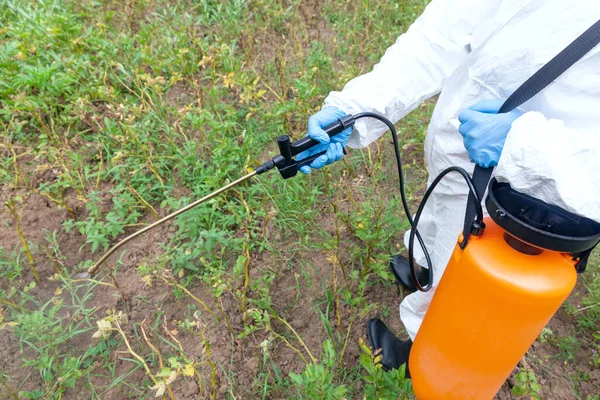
{"points": [[285, 162]]}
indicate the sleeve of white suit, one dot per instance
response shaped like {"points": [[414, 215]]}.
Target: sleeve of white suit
{"points": [[556, 164], [412, 70]]}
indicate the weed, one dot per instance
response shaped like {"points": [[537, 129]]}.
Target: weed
{"points": [[4, 381], [568, 346], [11, 264], [545, 335], [589, 309], [45, 334], [526, 384], [315, 382], [15, 208], [382, 384], [54, 253], [100, 229]]}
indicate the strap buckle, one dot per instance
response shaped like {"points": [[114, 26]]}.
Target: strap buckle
{"points": [[477, 229], [582, 260]]}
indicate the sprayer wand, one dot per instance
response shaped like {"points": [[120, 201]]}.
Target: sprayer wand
{"points": [[288, 167], [285, 163], [93, 268]]}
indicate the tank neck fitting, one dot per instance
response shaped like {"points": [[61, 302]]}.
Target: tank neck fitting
{"points": [[521, 246]]}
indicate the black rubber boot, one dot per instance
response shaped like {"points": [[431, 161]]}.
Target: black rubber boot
{"points": [[394, 351], [401, 270]]}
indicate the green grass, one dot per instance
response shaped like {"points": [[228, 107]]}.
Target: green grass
{"points": [[115, 113]]}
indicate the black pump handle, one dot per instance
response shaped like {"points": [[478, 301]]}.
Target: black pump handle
{"points": [[309, 160], [285, 162], [307, 142]]}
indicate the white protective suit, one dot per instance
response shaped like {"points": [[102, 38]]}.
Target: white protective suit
{"points": [[472, 50]]}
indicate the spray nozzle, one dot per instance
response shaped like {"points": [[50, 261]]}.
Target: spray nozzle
{"points": [[286, 164]]}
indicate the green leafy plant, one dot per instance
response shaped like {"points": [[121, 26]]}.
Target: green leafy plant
{"points": [[99, 229], [11, 264], [317, 380], [380, 384], [43, 331], [526, 384]]}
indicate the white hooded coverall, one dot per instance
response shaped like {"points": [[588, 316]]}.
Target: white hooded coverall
{"points": [[472, 50]]}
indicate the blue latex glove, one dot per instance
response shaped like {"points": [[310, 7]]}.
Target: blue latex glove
{"points": [[334, 146], [484, 131]]}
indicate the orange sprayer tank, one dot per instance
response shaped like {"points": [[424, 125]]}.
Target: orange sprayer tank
{"points": [[490, 306]]}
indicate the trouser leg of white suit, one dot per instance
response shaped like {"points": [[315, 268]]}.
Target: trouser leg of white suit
{"points": [[440, 224]]}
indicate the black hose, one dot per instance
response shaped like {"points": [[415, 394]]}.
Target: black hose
{"points": [[413, 223]]}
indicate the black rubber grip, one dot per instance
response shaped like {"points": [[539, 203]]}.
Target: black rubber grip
{"points": [[309, 160]]}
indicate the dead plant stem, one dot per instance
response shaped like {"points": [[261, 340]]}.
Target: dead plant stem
{"points": [[134, 354], [288, 344], [13, 305], [160, 359], [199, 301], [283, 321], [12, 208]]}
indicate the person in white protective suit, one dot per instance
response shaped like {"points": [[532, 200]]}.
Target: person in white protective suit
{"points": [[470, 51]]}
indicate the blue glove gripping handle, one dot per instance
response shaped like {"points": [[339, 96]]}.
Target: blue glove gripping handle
{"points": [[286, 164], [307, 142]]}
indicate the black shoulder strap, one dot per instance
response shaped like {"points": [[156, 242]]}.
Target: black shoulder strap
{"points": [[532, 86]]}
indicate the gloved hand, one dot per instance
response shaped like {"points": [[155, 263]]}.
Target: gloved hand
{"points": [[334, 146], [484, 131]]}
